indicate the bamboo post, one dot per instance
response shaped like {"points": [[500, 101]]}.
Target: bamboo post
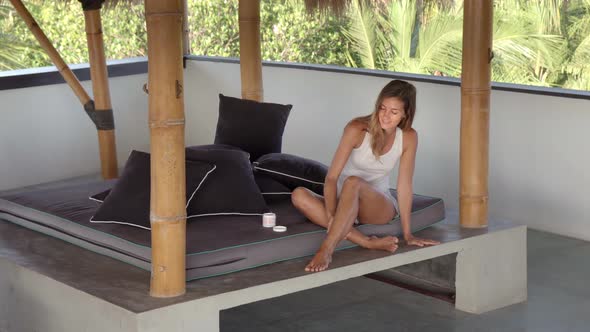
{"points": [[250, 56], [57, 60], [475, 109], [166, 119], [186, 40], [100, 86]]}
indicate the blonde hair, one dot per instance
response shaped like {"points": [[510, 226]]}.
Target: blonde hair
{"points": [[403, 90]]}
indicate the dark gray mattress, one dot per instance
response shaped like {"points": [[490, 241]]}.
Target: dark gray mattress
{"points": [[215, 244]]}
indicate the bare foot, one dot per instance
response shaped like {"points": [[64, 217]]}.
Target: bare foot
{"points": [[387, 243], [320, 261]]}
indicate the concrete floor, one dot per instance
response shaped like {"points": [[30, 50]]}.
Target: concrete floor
{"points": [[559, 301]]}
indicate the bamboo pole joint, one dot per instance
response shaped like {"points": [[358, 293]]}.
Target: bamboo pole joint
{"points": [[155, 218], [166, 123]]}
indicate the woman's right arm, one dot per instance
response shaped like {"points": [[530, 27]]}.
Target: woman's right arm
{"points": [[350, 138]]}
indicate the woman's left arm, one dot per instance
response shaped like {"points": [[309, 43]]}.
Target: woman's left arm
{"points": [[404, 187]]}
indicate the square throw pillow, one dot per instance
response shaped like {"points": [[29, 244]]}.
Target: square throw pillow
{"points": [[254, 127], [230, 190], [269, 186], [214, 147], [128, 202], [101, 196], [272, 190], [293, 171]]}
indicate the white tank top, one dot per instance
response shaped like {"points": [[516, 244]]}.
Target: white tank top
{"points": [[362, 163]]}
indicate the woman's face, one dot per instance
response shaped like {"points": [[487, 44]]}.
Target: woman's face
{"points": [[391, 112]]}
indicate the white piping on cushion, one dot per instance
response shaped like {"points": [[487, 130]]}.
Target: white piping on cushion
{"points": [[224, 214], [287, 175], [94, 199], [148, 228], [117, 222], [199, 186]]}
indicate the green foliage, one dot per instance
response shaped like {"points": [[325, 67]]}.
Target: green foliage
{"points": [[539, 42], [287, 32], [214, 27], [366, 40], [577, 68], [527, 45], [63, 23], [290, 34], [10, 47]]}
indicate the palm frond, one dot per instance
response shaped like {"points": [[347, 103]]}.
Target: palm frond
{"points": [[361, 33], [9, 50], [440, 45], [580, 59], [516, 45], [401, 21]]}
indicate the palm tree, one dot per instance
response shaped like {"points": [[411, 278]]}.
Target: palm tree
{"points": [[386, 38], [366, 40], [528, 44], [391, 37], [8, 47], [577, 66]]}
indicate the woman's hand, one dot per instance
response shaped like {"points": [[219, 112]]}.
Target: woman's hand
{"points": [[411, 240]]}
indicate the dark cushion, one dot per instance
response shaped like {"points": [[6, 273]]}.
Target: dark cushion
{"points": [[255, 127], [129, 200], [272, 190], [214, 147], [293, 171], [101, 196], [231, 189], [268, 185]]}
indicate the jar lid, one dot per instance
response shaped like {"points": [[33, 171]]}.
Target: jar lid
{"points": [[279, 228]]}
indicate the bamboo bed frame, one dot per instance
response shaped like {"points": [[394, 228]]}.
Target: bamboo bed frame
{"points": [[167, 31]]}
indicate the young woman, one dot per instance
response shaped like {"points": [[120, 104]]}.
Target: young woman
{"points": [[356, 187]]}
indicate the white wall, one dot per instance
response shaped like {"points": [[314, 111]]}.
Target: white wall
{"points": [[538, 144], [45, 134]]}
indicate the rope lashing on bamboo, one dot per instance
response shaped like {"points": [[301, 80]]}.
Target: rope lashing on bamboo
{"points": [[91, 4], [102, 119]]}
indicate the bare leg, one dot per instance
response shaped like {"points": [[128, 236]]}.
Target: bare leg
{"points": [[356, 193], [312, 206]]}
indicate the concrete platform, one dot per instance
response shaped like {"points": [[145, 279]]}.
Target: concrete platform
{"points": [[50, 285]]}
